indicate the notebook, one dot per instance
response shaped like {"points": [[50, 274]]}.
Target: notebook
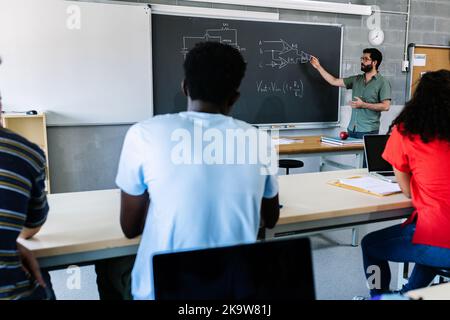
{"points": [[338, 141], [283, 141], [368, 184]]}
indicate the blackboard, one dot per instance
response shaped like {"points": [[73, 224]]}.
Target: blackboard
{"points": [[280, 86]]}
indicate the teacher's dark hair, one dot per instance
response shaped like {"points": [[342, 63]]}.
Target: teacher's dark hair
{"points": [[427, 114], [375, 55], [213, 72]]}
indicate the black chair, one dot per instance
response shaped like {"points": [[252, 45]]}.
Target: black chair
{"points": [[290, 164], [266, 270]]}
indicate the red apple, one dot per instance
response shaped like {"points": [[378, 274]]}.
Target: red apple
{"points": [[343, 135]]}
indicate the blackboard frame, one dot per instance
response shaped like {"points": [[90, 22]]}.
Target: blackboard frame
{"points": [[284, 125]]}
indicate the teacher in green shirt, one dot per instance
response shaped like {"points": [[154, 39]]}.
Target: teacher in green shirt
{"points": [[371, 93]]}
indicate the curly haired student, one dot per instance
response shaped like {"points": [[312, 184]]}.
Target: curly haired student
{"points": [[419, 151]]}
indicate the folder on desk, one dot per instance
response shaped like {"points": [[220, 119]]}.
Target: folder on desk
{"points": [[368, 185]]}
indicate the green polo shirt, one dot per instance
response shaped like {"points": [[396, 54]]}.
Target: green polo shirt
{"points": [[376, 90]]}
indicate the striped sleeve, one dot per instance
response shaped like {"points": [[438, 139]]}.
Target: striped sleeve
{"points": [[38, 206]]}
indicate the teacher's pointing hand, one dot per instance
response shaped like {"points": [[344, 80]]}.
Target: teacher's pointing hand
{"points": [[315, 62]]}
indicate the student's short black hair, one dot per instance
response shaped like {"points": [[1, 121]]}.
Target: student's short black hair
{"points": [[213, 72], [375, 55]]}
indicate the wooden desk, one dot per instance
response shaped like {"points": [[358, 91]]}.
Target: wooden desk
{"points": [[312, 147], [439, 292], [81, 227], [84, 227], [311, 205]]}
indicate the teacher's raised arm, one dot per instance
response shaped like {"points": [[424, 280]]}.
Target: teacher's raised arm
{"points": [[327, 76], [371, 93]]}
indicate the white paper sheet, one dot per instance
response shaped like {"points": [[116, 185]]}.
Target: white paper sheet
{"points": [[372, 185]]}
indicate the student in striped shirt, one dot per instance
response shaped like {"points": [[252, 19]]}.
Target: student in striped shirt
{"points": [[23, 210]]}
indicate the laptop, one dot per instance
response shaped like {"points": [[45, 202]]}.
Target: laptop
{"points": [[275, 270], [374, 145]]}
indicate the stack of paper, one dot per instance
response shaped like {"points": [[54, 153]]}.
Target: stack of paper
{"points": [[338, 141], [285, 141], [370, 185]]}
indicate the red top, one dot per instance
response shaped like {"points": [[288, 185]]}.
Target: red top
{"points": [[429, 164]]}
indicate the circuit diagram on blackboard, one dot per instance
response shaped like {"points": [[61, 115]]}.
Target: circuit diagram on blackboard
{"points": [[278, 54], [225, 35]]}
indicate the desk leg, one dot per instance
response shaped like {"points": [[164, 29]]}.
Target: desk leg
{"points": [[321, 164], [355, 237], [359, 160], [403, 274], [261, 234]]}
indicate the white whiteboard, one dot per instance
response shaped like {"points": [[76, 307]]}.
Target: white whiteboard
{"points": [[97, 74]]}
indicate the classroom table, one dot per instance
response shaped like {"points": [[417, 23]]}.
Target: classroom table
{"points": [[311, 204], [310, 146], [83, 227]]}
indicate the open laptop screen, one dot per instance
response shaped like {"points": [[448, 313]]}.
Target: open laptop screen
{"points": [[374, 147], [280, 269]]}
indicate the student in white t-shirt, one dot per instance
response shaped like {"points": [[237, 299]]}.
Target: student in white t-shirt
{"points": [[199, 178]]}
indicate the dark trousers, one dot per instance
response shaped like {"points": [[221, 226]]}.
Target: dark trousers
{"points": [[114, 278], [360, 135], [395, 244]]}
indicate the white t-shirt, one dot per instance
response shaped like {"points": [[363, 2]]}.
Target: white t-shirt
{"points": [[198, 197]]}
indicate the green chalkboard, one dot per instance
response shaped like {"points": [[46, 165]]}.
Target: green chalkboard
{"points": [[280, 86]]}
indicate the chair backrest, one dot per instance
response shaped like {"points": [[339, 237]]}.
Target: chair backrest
{"points": [[279, 269]]}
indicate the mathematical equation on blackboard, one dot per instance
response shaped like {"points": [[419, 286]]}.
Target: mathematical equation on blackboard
{"points": [[294, 87], [275, 54]]}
